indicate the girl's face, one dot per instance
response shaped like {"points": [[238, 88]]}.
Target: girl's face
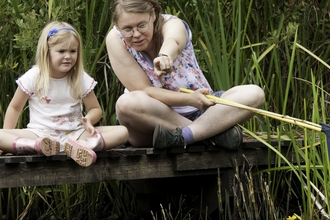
{"points": [[62, 58], [137, 29]]}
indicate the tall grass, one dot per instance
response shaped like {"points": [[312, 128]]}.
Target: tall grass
{"points": [[282, 46], [277, 46]]}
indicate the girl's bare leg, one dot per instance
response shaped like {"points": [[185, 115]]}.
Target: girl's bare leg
{"points": [[8, 136], [20, 141], [112, 136], [82, 151]]}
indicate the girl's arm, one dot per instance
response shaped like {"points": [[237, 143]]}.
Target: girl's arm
{"points": [[14, 109], [94, 112]]}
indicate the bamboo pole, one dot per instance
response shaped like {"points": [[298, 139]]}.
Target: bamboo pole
{"points": [[285, 118]]}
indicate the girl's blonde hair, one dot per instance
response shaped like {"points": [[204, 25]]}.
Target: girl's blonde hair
{"points": [[140, 6], [52, 34]]}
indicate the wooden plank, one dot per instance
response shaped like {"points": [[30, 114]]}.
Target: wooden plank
{"points": [[127, 164], [219, 159], [68, 172], [10, 159], [225, 158], [129, 151]]}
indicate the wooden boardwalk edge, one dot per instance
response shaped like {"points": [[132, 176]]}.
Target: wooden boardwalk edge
{"points": [[129, 164]]}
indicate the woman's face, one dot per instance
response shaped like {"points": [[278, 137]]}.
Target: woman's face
{"points": [[137, 29]]}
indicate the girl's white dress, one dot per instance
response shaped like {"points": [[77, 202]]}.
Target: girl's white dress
{"points": [[58, 115]]}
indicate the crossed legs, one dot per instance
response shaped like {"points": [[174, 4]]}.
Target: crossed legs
{"points": [[21, 141], [140, 114]]}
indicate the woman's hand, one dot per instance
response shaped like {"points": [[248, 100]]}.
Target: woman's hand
{"points": [[163, 65], [199, 99], [88, 125]]}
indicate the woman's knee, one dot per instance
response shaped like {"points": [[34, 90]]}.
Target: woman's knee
{"points": [[258, 95], [251, 95], [131, 102]]}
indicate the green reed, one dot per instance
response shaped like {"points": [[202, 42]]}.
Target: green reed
{"points": [[284, 57]]}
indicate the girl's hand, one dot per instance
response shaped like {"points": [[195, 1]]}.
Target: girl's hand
{"points": [[88, 125], [163, 65]]}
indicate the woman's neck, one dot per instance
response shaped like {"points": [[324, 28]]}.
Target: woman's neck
{"points": [[153, 49]]}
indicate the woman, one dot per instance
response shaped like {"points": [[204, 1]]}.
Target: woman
{"points": [[152, 55]]}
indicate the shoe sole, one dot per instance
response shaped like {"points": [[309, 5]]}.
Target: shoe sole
{"points": [[47, 146], [80, 154]]}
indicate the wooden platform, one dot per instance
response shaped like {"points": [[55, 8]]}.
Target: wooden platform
{"points": [[129, 164]]}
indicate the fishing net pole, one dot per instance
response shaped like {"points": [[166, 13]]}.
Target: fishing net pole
{"points": [[322, 127]]}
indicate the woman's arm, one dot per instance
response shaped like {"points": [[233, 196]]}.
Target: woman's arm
{"points": [[173, 45], [14, 109], [124, 65]]}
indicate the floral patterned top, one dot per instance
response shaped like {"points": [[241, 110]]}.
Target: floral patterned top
{"points": [[58, 110], [186, 71]]}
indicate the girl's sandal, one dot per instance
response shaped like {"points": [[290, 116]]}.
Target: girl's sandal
{"points": [[47, 147], [82, 155]]}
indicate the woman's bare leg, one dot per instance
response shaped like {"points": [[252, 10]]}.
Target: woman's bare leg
{"points": [[219, 118], [140, 114]]}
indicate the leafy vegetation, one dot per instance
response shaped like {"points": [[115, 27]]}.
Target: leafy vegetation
{"points": [[283, 46]]}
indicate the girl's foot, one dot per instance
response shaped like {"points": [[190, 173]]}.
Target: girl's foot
{"points": [[47, 146], [82, 155]]}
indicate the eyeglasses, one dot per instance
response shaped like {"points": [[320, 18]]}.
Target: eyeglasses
{"points": [[142, 28]]}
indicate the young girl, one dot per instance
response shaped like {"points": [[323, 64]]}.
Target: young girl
{"points": [[55, 88]]}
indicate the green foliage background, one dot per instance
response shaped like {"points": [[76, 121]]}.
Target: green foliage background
{"points": [[236, 42]]}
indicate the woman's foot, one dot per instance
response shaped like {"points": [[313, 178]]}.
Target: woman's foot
{"points": [[230, 139]]}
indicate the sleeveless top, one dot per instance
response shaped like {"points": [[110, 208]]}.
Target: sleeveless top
{"points": [[186, 72]]}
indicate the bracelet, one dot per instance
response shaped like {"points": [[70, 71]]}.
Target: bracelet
{"points": [[162, 55]]}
